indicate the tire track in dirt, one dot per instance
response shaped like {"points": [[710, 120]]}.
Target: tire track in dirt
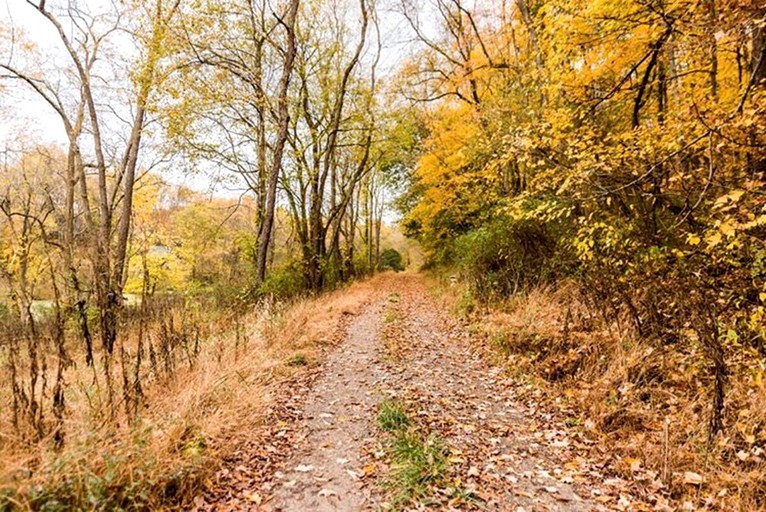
{"points": [[326, 470], [503, 454]]}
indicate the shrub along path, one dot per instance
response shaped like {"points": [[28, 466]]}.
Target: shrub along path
{"points": [[407, 415]]}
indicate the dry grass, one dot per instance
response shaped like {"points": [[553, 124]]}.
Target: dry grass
{"points": [[643, 403], [187, 423]]}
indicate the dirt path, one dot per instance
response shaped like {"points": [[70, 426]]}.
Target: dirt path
{"points": [[507, 454], [325, 472], [502, 455]]}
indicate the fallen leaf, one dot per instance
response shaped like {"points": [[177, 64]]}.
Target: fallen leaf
{"points": [[253, 496], [692, 478]]}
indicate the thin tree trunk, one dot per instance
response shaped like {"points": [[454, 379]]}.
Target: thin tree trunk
{"points": [[531, 31], [713, 46], [130, 160], [264, 238], [758, 66]]}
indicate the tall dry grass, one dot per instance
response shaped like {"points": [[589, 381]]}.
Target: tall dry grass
{"points": [[189, 414]]}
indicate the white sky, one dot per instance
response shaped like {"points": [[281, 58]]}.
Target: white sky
{"points": [[22, 111]]}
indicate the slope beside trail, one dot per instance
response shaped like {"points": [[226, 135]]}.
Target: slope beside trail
{"points": [[503, 455]]}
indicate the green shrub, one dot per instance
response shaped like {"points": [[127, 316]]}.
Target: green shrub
{"points": [[391, 259], [284, 283], [508, 254]]}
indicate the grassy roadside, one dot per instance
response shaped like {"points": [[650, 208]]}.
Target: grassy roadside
{"points": [[644, 408], [188, 424]]}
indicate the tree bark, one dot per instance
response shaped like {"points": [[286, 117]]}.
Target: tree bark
{"points": [[758, 66], [265, 232], [713, 46], [526, 16]]}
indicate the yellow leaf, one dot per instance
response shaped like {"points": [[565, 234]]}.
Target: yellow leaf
{"points": [[727, 229], [732, 197], [253, 496], [694, 240], [713, 239]]}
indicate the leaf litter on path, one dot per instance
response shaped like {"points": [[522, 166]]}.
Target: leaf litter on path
{"points": [[504, 453]]}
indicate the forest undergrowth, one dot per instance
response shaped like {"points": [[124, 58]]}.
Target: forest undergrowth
{"points": [[645, 408], [206, 379]]}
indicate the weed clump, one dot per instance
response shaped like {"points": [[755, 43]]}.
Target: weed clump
{"points": [[298, 360], [418, 461], [392, 417]]}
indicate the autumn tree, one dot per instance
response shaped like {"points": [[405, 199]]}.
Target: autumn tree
{"points": [[294, 124], [236, 112], [100, 173], [608, 141]]}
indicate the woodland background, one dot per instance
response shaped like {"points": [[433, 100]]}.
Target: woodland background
{"points": [[591, 173]]}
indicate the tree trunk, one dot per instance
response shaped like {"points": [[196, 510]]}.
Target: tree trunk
{"points": [[713, 46], [265, 232], [758, 66], [526, 16]]}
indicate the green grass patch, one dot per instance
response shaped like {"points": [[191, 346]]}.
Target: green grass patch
{"points": [[392, 313], [392, 417], [391, 316], [298, 360], [418, 462]]}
